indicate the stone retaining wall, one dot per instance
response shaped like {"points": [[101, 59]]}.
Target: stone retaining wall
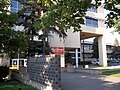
{"points": [[42, 73]]}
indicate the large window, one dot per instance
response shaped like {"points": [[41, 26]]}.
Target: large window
{"points": [[92, 9], [15, 6], [91, 22]]}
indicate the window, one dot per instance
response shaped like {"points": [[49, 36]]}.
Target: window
{"points": [[88, 47], [15, 6], [91, 22], [92, 9], [15, 62]]}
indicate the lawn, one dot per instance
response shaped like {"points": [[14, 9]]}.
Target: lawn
{"points": [[14, 85], [113, 72]]}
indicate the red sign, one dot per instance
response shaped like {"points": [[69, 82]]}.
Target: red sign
{"points": [[57, 50]]}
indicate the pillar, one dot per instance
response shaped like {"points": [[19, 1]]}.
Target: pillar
{"points": [[62, 60], [81, 55], [76, 57], [17, 62], [102, 51]]}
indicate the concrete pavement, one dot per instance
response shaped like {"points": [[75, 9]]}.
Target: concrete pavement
{"points": [[84, 81]]}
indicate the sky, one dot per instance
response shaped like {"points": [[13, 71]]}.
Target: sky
{"points": [[110, 37]]}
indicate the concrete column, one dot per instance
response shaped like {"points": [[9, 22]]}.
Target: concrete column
{"points": [[17, 62], [102, 50], [76, 57], [81, 56], [62, 60]]}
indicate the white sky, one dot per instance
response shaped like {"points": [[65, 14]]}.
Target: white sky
{"points": [[110, 37]]}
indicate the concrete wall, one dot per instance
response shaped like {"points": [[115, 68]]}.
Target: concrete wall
{"points": [[73, 39], [93, 30], [55, 40]]}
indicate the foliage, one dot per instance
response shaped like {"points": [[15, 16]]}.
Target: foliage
{"points": [[95, 48], [14, 85], [48, 16], [114, 13], [30, 19], [116, 26], [116, 49], [56, 16], [4, 71], [10, 40]]}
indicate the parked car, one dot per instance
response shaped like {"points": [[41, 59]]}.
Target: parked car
{"points": [[113, 63], [96, 62]]}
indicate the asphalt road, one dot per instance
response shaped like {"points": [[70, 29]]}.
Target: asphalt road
{"points": [[83, 81]]}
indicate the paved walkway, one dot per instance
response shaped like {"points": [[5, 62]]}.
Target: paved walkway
{"points": [[83, 81]]}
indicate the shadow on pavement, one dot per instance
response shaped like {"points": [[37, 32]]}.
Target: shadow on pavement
{"points": [[84, 81]]}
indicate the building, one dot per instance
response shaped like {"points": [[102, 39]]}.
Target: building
{"points": [[88, 51], [94, 27]]}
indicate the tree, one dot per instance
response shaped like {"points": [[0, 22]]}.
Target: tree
{"points": [[30, 19], [10, 40], [116, 26], [113, 17], [116, 49], [4, 71], [56, 16], [95, 48]]}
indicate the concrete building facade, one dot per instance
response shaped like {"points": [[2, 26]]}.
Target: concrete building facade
{"points": [[94, 27]]}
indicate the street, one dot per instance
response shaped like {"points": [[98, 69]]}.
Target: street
{"points": [[83, 81]]}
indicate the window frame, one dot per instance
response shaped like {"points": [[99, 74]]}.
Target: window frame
{"points": [[91, 22]]}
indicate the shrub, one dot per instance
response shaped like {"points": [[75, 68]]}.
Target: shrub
{"points": [[4, 71]]}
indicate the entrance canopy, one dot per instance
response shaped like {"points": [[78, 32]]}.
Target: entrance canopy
{"points": [[86, 35]]}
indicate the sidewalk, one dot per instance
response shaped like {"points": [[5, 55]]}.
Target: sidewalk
{"points": [[108, 67], [84, 81], [98, 67]]}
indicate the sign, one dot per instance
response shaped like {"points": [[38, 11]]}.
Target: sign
{"points": [[57, 50]]}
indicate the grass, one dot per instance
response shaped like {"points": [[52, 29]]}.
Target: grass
{"points": [[113, 72], [14, 85]]}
